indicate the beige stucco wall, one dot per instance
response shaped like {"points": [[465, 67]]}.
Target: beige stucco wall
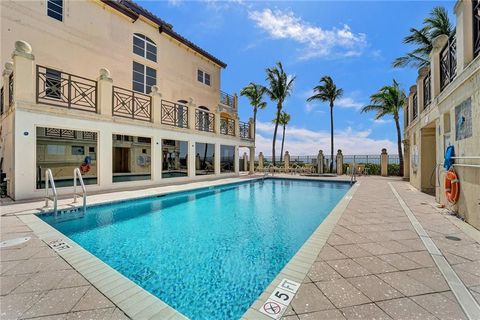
{"points": [[93, 36]]}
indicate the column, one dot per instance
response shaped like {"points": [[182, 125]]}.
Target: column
{"points": [[384, 163], [191, 114], [157, 158], [406, 159], [24, 76], [286, 160], [245, 161], [251, 167], [192, 159], [260, 161], [105, 157], [250, 129], [339, 162], [237, 161], [6, 88], [438, 44], [217, 123], [105, 98], [156, 112], [320, 161], [464, 34], [217, 158]]}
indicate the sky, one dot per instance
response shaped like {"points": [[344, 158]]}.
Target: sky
{"points": [[354, 42]]}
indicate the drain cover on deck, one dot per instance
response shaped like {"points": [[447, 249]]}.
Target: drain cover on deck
{"points": [[13, 242], [453, 238]]}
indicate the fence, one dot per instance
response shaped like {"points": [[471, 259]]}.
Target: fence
{"points": [[360, 159]]}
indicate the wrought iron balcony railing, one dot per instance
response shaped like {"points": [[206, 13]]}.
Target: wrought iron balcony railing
{"points": [[1, 101], [67, 134], [448, 62], [415, 105], [65, 90], [476, 27], [407, 118], [204, 121], [227, 126], [131, 104], [174, 114], [245, 131], [10, 90], [427, 91], [227, 99]]}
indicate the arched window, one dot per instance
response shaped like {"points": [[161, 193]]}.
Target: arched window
{"points": [[145, 47]]}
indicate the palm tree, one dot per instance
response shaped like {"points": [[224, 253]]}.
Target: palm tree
{"points": [[327, 91], [389, 101], [283, 120], [279, 88], [254, 93], [437, 23]]}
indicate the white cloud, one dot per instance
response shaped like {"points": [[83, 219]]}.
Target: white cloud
{"points": [[381, 121], [348, 102], [301, 141], [317, 42]]}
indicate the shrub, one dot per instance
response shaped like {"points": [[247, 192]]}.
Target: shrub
{"points": [[393, 169]]}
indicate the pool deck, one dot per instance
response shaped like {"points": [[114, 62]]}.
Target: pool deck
{"points": [[384, 256]]}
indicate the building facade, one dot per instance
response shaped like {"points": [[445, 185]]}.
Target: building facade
{"points": [[108, 87], [443, 109]]}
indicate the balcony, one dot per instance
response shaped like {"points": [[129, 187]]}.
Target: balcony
{"points": [[476, 27], [448, 62], [228, 101], [427, 91], [245, 131], [414, 106], [227, 126], [130, 104], [204, 121], [174, 114]]}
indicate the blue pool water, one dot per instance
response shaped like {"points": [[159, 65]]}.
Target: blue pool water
{"points": [[208, 253]]}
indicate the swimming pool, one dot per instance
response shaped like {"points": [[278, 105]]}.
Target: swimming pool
{"points": [[208, 253]]}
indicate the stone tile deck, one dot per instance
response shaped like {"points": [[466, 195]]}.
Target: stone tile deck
{"points": [[373, 266]]}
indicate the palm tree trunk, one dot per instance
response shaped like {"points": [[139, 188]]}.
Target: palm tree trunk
{"points": [[254, 124], [331, 137], [399, 144], [283, 142], [279, 110]]}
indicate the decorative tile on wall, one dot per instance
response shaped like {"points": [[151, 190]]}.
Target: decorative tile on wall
{"points": [[463, 120]]}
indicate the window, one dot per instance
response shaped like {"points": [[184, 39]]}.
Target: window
{"points": [[78, 150], [53, 81], [145, 47], [143, 78], [130, 161], [175, 158], [203, 77], [227, 159], [204, 159], [55, 9]]}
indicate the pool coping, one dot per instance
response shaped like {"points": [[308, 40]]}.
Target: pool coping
{"points": [[297, 268], [136, 302]]}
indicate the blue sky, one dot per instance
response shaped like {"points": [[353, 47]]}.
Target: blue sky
{"points": [[352, 41]]}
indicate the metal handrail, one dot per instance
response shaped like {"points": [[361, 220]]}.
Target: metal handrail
{"points": [[78, 175], [472, 157], [354, 176], [49, 179], [466, 165]]}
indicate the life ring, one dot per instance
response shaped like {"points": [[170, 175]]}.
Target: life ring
{"points": [[452, 186], [85, 167]]}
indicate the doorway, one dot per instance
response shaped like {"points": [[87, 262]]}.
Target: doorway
{"points": [[121, 160]]}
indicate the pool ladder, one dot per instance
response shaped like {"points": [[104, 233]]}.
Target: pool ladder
{"points": [[354, 175], [54, 197], [77, 175]]}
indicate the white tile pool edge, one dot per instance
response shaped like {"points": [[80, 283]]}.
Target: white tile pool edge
{"points": [[297, 268], [138, 303]]}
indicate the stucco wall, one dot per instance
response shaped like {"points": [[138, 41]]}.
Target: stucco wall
{"points": [[93, 36]]}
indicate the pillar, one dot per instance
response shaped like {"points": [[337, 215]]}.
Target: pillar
{"points": [[156, 112], [105, 86], [261, 159], [24, 75], [217, 123], [320, 161], [339, 162], [191, 114], [6, 88], [237, 160], [286, 160], [438, 44], [464, 34], [237, 126], [251, 166], [250, 129], [384, 163], [245, 161], [191, 158], [217, 158]]}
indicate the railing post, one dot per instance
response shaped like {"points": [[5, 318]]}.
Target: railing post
{"points": [[320, 162], [237, 127], [24, 76], [384, 163], [191, 114], [156, 108], [245, 161], [438, 44], [464, 33], [260, 161], [339, 162], [105, 93], [286, 160], [217, 128], [406, 159]]}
